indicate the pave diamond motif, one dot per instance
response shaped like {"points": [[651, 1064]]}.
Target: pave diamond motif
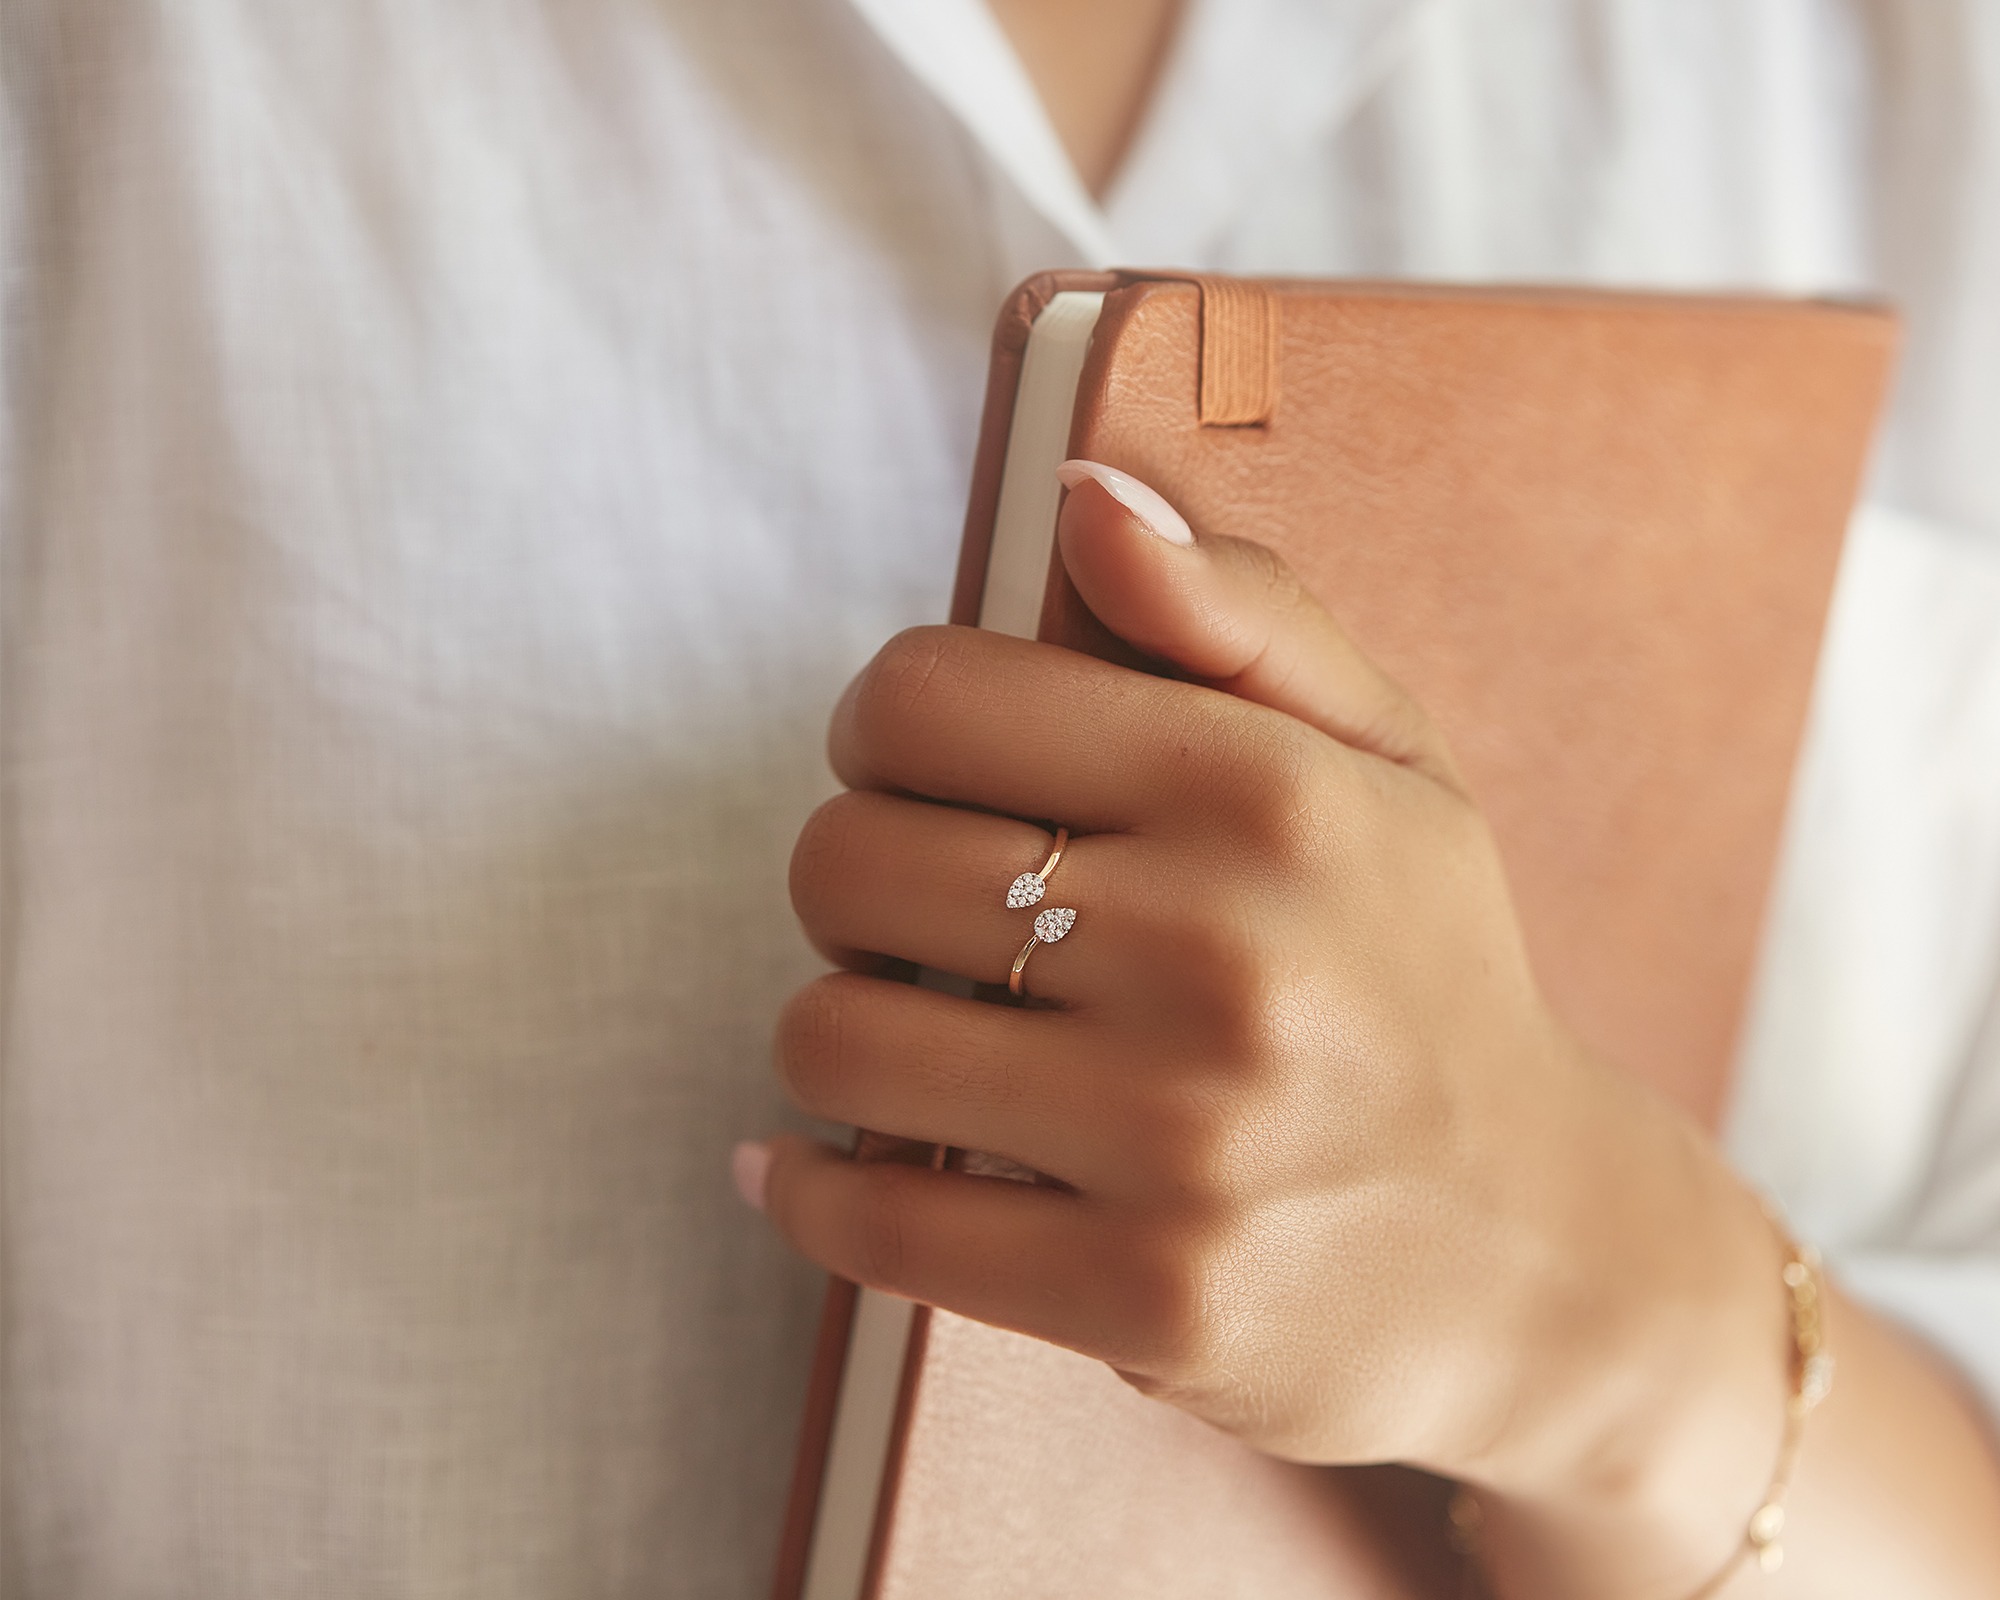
{"points": [[1025, 891], [1052, 924]]}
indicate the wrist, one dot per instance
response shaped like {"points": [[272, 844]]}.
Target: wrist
{"points": [[1649, 1404]]}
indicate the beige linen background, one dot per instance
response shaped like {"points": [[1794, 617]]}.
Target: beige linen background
{"points": [[450, 456]]}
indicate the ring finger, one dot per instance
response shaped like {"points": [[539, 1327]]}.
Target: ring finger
{"points": [[881, 875]]}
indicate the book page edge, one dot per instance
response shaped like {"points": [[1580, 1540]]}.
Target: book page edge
{"points": [[858, 1448]]}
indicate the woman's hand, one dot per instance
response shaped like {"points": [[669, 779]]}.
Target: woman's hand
{"points": [[1329, 1175]]}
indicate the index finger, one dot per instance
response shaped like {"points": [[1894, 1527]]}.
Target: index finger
{"points": [[1034, 730]]}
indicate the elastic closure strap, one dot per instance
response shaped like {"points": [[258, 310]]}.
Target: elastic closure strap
{"points": [[1239, 348], [1239, 353]]}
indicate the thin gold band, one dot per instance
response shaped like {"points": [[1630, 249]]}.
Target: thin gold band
{"points": [[1020, 961], [1055, 855], [1811, 1377], [1034, 895]]}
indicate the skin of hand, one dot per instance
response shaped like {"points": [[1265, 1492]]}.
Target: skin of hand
{"points": [[1328, 1174]]}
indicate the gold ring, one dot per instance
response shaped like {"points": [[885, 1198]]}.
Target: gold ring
{"points": [[1029, 888], [1052, 922], [1050, 925]]}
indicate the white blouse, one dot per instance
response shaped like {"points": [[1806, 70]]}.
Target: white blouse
{"points": [[451, 456]]}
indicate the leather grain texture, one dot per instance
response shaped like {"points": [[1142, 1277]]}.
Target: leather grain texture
{"points": [[1030, 1471], [1595, 535]]}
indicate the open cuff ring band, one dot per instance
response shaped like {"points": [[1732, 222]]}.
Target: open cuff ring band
{"points": [[1050, 924], [1029, 888]]}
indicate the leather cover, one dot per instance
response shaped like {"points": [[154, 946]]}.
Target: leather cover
{"points": [[1595, 535]]}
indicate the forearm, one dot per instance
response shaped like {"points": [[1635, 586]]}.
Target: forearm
{"points": [[1898, 1490]]}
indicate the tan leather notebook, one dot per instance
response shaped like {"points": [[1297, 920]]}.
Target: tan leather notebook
{"points": [[1595, 535]]}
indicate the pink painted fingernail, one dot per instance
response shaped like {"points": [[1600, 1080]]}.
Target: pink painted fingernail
{"points": [[750, 1166], [1144, 503]]}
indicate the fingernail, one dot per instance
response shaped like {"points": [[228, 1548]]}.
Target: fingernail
{"points": [[1134, 496], [750, 1166]]}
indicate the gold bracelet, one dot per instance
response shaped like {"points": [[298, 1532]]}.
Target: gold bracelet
{"points": [[1810, 1381]]}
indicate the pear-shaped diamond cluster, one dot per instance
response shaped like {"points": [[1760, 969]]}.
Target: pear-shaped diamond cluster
{"points": [[1052, 924], [1025, 891]]}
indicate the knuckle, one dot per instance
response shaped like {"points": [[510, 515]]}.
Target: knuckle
{"points": [[1255, 1004], [814, 1048], [1183, 1134], [1218, 947], [905, 675], [1168, 1290], [1262, 1026], [1281, 797], [824, 850], [1282, 589]]}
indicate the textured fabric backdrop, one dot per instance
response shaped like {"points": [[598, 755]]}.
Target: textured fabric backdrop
{"points": [[450, 457]]}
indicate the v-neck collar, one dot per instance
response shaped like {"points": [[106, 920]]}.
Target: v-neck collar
{"points": [[958, 51], [1247, 85]]}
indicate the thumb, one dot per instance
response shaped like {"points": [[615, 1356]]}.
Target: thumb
{"points": [[1233, 615]]}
